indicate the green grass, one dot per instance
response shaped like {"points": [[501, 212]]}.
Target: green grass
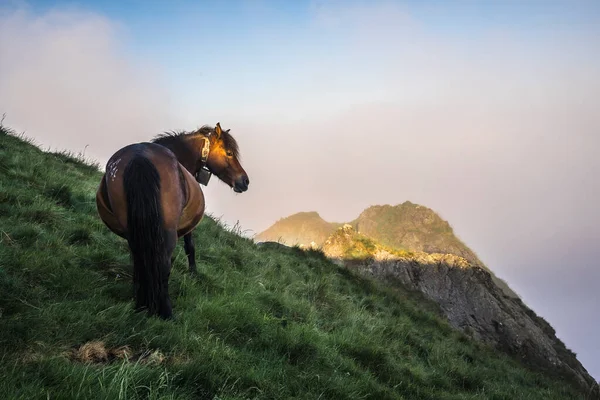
{"points": [[360, 247], [257, 323]]}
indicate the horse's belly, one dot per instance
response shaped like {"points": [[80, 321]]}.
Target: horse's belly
{"points": [[193, 211]]}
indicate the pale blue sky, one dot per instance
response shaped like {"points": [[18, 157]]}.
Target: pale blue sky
{"points": [[485, 111], [245, 54]]}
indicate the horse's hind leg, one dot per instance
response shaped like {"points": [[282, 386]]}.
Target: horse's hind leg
{"points": [[190, 250], [165, 307]]}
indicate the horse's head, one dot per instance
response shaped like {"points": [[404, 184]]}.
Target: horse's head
{"points": [[223, 160]]}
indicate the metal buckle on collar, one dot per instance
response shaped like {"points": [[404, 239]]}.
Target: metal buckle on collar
{"points": [[205, 150], [203, 175]]}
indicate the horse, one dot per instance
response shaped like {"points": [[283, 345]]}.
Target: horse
{"points": [[150, 196]]}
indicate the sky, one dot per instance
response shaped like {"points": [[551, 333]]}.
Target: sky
{"points": [[484, 111]]}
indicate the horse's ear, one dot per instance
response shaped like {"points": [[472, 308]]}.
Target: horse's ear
{"points": [[218, 130], [227, 131]]}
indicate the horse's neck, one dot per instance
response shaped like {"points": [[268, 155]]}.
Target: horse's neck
{"points": [[188, 153]]}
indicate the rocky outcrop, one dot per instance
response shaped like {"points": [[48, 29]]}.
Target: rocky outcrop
{"points": [[470, 300]]}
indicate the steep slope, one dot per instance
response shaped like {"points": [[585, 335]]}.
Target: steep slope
{"points": [[301, 228], [257, 322], [467, 296]]}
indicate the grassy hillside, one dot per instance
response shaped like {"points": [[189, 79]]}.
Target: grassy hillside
{"points": [[258, 323]]}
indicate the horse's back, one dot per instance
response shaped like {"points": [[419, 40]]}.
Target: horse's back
{"points": [[175, 188]]}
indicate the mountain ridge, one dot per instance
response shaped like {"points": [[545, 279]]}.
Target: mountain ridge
{"points": [[405, 226]]}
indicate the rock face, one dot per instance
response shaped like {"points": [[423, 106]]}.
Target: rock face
{"points": [[468, 297]]}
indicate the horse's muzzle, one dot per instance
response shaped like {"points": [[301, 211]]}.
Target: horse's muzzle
{"points": [[241, 184]]}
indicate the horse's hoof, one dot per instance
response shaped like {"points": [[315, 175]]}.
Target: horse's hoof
{"points": [[167, 317]]}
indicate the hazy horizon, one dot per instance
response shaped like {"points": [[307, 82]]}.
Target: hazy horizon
{"points": [[484, 112]]}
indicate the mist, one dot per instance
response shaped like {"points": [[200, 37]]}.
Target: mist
{"points": [[66, 81]]}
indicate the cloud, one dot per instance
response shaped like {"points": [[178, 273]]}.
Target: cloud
{"points": [[67, 80], [436, 118]]}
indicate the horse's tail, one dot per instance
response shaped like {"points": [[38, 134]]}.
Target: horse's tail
{"points": [[146, 234]]}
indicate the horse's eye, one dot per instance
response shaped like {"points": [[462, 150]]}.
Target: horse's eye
{"points": [[229, 153]]}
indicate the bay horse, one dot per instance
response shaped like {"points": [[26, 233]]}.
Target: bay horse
{"points": [[150, 196]]}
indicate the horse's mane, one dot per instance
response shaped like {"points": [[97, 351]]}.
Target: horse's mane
{"points": [[176, 138]]}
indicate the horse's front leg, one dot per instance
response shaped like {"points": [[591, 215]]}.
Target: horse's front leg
{"points": [[188, 245]]}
